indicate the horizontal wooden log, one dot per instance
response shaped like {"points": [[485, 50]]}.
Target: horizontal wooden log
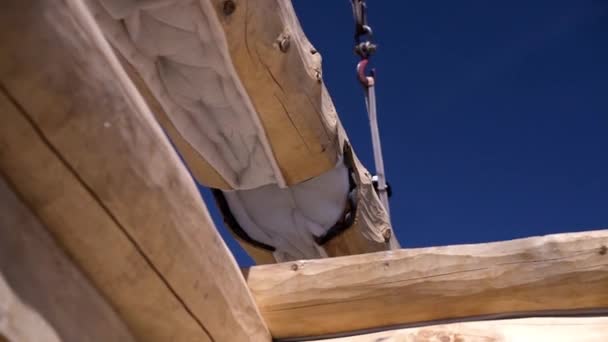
{"points": [[579, 329], [39, 281], [551, 273], [80, 147]]}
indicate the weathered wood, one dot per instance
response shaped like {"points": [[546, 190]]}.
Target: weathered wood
{"points": [[554, 272], [238, 91], [239, 82], [44, 279], [281, 71], [113, 262], [240, 88], [98, 171], [178, 51], [580, 329]]}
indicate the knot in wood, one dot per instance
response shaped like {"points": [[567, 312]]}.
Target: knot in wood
{"points": [[229, 7], [318, 75], [284, 41], [387, 235]]}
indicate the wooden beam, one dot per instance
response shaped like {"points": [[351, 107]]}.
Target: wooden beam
{"points": [[281, 71], [549, 273], [579, 329], [243, 102], [39, 281], [239, 85], [83, 151]]}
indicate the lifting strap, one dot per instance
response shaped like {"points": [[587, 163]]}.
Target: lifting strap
{"points": [[364, 48]]}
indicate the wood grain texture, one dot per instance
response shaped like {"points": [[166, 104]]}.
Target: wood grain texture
{"points": [[46, 281], [98, 171], [281, 71], [549, 273], [579, 329]]}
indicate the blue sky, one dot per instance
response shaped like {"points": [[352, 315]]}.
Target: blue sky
{"points": [[493, 115]]}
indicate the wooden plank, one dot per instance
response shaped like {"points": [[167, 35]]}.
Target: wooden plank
{"points": [[551, 273], [566, 329], [44, 281], [98, 171], [281, 71]]}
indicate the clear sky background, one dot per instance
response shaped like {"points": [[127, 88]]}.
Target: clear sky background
{"points": [[493, 115]]}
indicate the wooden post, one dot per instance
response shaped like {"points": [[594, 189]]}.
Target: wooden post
{"points": [[83, 151], [555, 273], [42, 294]]}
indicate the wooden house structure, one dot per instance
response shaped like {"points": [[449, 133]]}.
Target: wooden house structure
{"points": [[103, 236]]}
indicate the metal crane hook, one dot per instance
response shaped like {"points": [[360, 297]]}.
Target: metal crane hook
{"points": [[365, 80]]}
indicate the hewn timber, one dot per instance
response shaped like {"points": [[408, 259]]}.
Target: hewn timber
{"points": [[238, 83], [570, 329], [237, 88], [86, 155], [551, 273], [38, 281], [281, 71]]}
